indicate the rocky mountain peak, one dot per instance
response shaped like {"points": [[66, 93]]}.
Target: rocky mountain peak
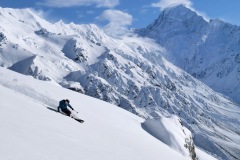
{"points": [[179, 10], [175, 19]]}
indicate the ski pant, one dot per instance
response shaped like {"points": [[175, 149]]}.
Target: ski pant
{"points": [[66, 111]]}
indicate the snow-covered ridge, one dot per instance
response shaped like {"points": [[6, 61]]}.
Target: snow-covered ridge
{"points": [[208, 51], [129, 72]]}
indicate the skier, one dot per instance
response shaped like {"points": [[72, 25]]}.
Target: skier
{"points": [[63, 105]]}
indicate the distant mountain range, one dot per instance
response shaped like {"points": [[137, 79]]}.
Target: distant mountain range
{"points": [[132, 72]]}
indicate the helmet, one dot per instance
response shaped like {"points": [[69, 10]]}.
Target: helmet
{"points": [[67, 101]]}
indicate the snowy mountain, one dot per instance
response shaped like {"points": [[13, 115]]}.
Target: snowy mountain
{"points": [[208, 51], [129, 72]]}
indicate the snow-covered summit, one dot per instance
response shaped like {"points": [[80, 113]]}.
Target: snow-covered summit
{"points": [[173, 21], [206, 50], [129, 72]]}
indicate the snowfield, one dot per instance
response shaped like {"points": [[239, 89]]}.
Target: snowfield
{"points": [[29, 130]]}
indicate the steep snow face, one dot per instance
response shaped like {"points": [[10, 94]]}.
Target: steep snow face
{"points": [[208, 51], [170, 131], [129, 72], [28, 130]]}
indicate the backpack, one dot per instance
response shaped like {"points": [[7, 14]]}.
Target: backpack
{"points": [[62, 103]]}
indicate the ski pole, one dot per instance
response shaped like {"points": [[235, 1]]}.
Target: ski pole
{"points": [[76, 111]]}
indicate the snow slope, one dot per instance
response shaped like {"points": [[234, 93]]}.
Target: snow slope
{"points": [[129, 72], [164, 129], [28, 130]]}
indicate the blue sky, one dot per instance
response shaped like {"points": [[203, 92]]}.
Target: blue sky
{"points": [[123, 13]]}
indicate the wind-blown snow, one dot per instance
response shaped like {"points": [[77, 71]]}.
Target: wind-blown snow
{"points": [[28, 130]]}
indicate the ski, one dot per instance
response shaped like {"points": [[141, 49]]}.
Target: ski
{"points": [[79, 120]]}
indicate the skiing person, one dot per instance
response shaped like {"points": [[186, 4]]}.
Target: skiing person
{"points": [[63, 105]]}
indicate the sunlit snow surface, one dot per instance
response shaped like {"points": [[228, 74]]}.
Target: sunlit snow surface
{"points": [[28, 130]]}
